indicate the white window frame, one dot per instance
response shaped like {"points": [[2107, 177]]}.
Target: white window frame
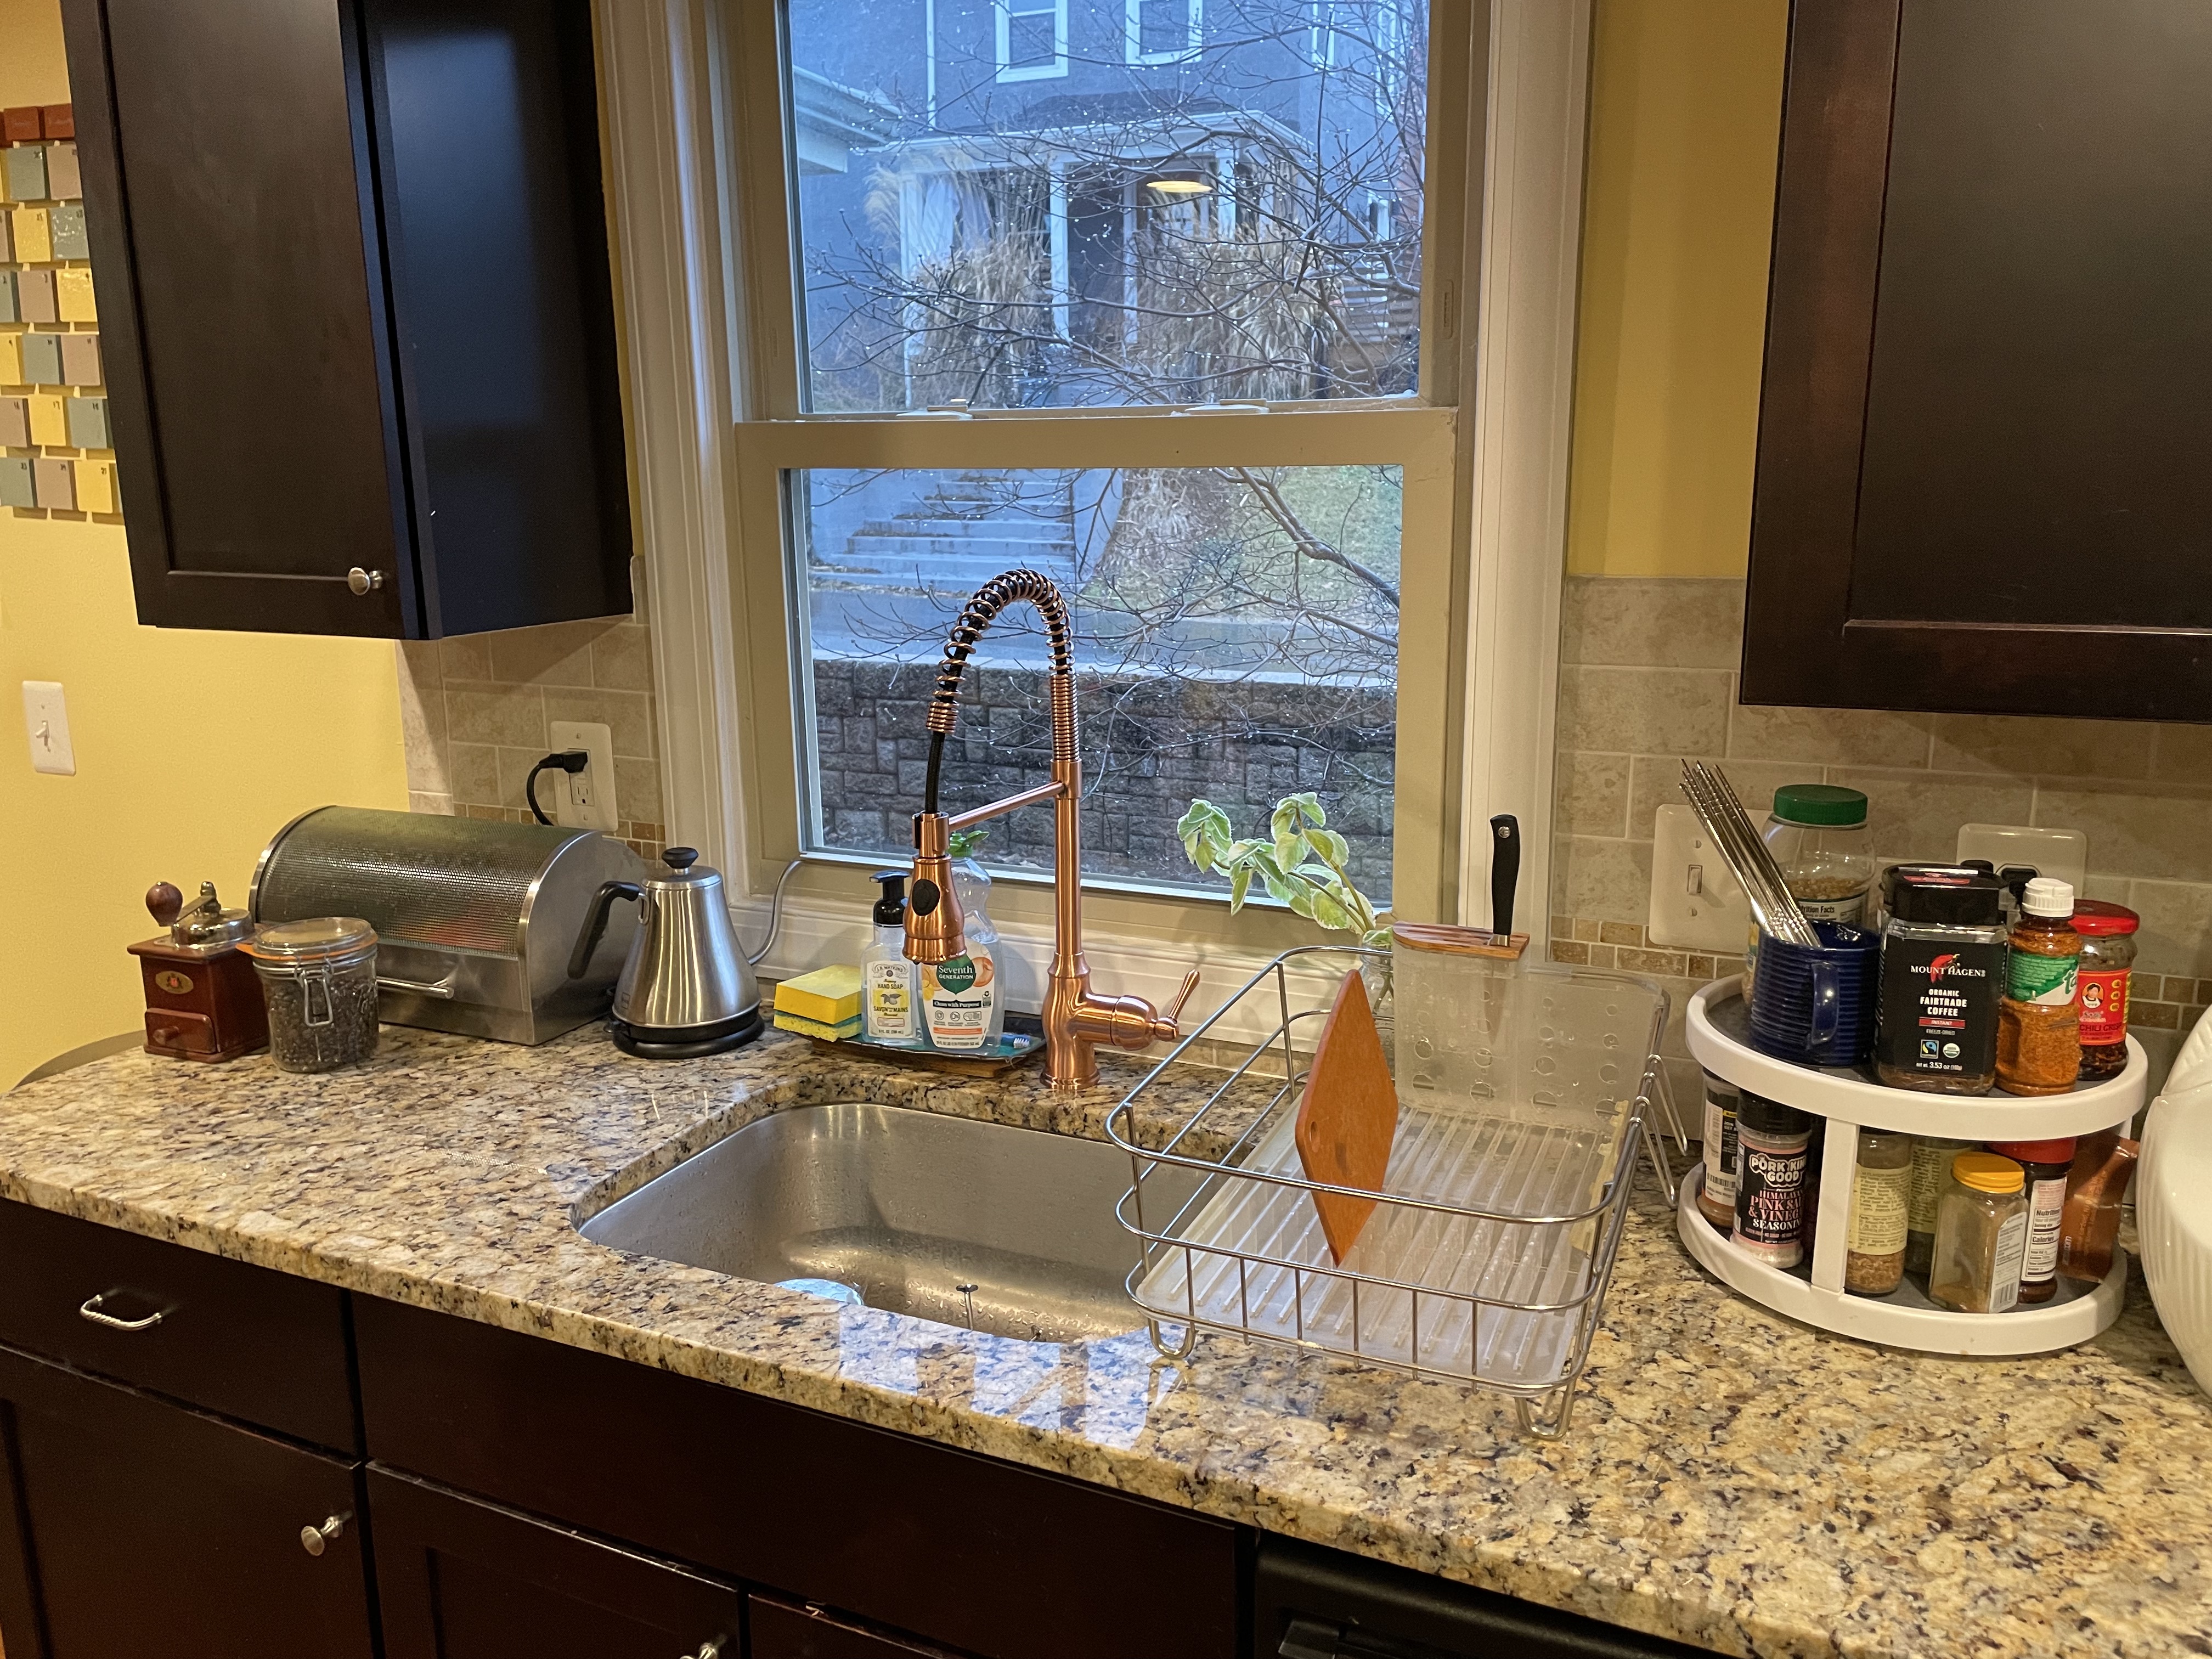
{"points": [[686, 276], [1002, 13], [1134, 38]]}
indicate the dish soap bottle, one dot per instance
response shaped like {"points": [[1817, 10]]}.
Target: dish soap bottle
{"points": [[890, 1010], [963, 999]]}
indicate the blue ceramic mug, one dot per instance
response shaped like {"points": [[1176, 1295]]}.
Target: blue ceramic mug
{"points": [[1817, 1006]]}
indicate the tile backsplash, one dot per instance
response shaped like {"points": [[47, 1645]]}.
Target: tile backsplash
{"points": [[1648, 678], [475, 711]]}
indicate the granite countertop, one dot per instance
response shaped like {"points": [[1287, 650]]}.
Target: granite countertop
{"points": [[1732, 1480]]}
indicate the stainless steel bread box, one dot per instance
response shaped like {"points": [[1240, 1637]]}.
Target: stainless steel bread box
{"points": [[475, 920]]}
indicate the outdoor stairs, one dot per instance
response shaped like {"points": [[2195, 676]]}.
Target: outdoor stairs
{"points": [[964, 531]]}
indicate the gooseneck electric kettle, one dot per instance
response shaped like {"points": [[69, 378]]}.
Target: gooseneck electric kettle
{"points": [[687, 989]]}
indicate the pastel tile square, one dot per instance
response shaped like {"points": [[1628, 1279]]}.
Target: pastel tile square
{"points": [[87, 423], [73, 296], [15, 423], [34, 238], [42, 358], [58, 120], [11, 359], [65, 220], [96, 486], [15, 482], [49, 426], [26, 172], [34, 297], [10, 311], [80, 364], [64, 178], [53, 483]]}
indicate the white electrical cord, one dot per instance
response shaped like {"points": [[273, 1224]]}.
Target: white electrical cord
{"points": [[754, 958]]}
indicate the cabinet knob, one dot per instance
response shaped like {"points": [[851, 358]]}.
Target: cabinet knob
{"points": [[314, 1540], [364, 582], [706, 1650]]}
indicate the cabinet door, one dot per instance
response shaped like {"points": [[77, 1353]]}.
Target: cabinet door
{"points": [[781, 1630], [461, 1579], [137, 1527]]}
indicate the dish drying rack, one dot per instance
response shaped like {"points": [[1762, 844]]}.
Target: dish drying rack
{"points": [[1486, 1258]]}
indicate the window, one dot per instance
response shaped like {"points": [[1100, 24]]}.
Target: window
{"points": [[1151, 336], [1032, 39], [1163, 31]]}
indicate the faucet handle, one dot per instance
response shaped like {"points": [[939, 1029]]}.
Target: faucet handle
{"points": [[1174, 1014]]}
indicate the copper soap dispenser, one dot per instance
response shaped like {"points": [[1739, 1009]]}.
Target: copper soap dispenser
{"points": [[202, 1000]]}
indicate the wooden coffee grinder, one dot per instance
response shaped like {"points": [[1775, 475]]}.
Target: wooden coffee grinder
{"points": [[202, 1001]]}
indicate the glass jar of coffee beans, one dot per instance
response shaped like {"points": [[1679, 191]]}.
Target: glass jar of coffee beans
{"points": [[318, 978]]}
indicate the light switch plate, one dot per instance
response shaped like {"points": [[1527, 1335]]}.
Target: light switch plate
{"points": [[46, 720], [1697, 902], [2061, 852], [585, 799]]}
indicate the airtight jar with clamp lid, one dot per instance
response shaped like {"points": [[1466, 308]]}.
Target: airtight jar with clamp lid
{"points": [[318, 978]]}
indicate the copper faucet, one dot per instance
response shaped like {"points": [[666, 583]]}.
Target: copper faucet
{"points": [[1076, 1018]]}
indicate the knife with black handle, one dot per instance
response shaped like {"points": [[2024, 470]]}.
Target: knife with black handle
{"points": [[1504, 875]]}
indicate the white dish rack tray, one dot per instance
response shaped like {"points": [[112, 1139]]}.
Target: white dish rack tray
{"points": [[1486, 1259]]}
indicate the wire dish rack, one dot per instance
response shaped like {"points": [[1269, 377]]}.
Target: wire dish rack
{"points": [[1523, 1101]]}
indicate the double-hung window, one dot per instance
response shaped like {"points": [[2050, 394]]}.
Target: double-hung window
{"points": [[1143, 333]]}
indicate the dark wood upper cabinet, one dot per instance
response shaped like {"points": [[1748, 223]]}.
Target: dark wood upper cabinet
{"points": [[351, 263], [1985, 473]]}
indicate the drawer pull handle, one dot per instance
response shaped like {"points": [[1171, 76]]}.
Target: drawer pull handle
{"points": [[314, 1540], [90, 1310]]}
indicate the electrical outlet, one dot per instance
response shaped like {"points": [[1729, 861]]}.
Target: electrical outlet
{"points": [[1697, 902], [2064, 853], [46, 720], [585, 799]]}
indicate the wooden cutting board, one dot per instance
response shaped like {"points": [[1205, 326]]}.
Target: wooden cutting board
{"points": [[1349, 1115]]}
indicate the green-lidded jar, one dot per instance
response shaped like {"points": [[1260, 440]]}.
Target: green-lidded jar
{"points": [[1818, 834]]}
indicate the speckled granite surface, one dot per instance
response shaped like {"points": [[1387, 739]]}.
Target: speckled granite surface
{"points": [[1732, 1480]]}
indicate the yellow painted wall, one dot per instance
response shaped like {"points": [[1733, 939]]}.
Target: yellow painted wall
{"points": [[1686, 110], [192, 748]]}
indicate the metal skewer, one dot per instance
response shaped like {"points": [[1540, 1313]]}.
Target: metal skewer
{"points": [[1716, 802]]}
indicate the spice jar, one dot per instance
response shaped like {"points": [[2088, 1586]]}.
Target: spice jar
{"points": [[1773, 1142], [2038, 1028], [2089, 1227], [1817, 833], [1881, 1192], [1943, 969], [1981, 1235], [2047, 1164], [1717, 1188], [319, 979], [2108, 960], [1931, 1174]]}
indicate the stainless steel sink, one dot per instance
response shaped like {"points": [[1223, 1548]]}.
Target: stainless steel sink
{"points": [[980, 1225]]}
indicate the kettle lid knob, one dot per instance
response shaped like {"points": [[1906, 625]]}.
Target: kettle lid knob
{"points": [[680, 858]]}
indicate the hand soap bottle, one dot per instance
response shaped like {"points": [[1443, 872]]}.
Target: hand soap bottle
{"points": [[890, 1009], [962, 1000]]}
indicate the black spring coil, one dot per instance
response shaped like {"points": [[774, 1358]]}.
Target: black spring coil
{"points": [[981, 610]]}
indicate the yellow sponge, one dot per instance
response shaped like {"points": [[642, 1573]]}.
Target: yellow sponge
{"points": [[814, 1027], [829, 996]]}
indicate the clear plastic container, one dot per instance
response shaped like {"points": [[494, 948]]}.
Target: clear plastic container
{"points": [[1818, 834], [1981, 1235], [319, 980]]}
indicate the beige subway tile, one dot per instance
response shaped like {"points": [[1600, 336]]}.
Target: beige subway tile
{"points": [[1562, 927], [1608, 880], [2183, 754], [422, 732], [1915, 816], [2176, 937], [556, 653], [2023, 746], [1621, 932], [2112, 889], [1702, 968], [637, 790], [474, 774], [1831, 737], [1652, 622], [1726, 967], [1653, 962], [467, 656], [2180, 988], [434, 803], [513, 714], [1600, 956], [1570, 950], [2158, 1015], [1588, 928], [2158, 831], [2203, 992], [622, 659], [1593, 794], [514, 766], [628, 714], [1645, 711], [419, 661], [1656, 782]]}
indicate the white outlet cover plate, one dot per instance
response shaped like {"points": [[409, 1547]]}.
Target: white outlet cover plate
{"points": [[1697, 902], [2064, 853], [45, 723], [585, 799]]}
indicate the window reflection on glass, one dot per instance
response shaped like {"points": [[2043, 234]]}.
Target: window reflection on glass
{"points": [[1236, 639], [1039, 204]]}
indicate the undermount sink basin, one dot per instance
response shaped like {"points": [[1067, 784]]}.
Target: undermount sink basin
{"points": [[983, 1225]]}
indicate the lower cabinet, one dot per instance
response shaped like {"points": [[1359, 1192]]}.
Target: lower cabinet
{"points": [[129, 1525], [460, 1579], [781, 1630]]}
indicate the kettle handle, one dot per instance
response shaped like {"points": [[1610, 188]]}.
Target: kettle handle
{"points": [[595, 922]]}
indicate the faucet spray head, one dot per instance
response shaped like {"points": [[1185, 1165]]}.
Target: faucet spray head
{"points": [[933, 930]]}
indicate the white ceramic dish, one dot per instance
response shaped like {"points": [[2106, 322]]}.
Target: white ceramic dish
{"points": [[2173, 1203]]}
